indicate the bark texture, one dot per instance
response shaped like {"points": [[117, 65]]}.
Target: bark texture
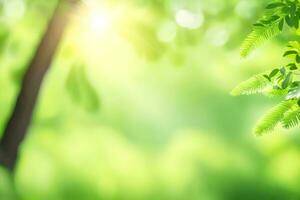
{"points": [[20, 119]]}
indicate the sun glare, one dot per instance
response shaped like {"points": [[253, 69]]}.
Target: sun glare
{"points": [[98, 21], [92, 32], [93, 17]]}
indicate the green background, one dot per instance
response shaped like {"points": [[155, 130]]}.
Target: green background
{"points": [[151, 118]]}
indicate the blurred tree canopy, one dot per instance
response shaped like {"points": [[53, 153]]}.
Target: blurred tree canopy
{"points": [[136, 104]]}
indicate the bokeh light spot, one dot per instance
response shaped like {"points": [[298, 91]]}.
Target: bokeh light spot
{"points": [[218, 36], [10, 7], [188, 19]]}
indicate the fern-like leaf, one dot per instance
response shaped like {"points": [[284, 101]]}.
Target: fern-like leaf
{"points": [[273, 117], [271, 92], [254, 85], [257, 37], [291, 119]]}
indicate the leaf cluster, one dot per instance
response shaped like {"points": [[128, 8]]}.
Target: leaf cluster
{"points": [[281, 81], [278, 15]]}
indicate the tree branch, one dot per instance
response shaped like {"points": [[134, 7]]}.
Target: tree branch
{"points": [[20, 119]]}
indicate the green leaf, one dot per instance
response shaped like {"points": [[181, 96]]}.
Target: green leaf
{"points": [[287, 81], [295, 84], [289, 21], [272, 118], [283, 71], [274, 18], [267, 77], [71, 84], [298, 59], [266, 22], [273, 73], [290, 52], [90, 97], [81, 90], [274, 5], [295, 22], [254, 85], [292, 66], [259, 24], [275, 91], [258, 36], [281, 24], [294, 45], [285, 10], [291, 118]]}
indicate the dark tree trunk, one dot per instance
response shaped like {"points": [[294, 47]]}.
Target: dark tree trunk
{"points": [[20, 119]]}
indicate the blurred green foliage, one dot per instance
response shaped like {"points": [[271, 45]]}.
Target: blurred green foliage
{"points": [[167, 127]]}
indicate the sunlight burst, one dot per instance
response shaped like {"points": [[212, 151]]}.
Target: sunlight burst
{"points": [[98, 21]]}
